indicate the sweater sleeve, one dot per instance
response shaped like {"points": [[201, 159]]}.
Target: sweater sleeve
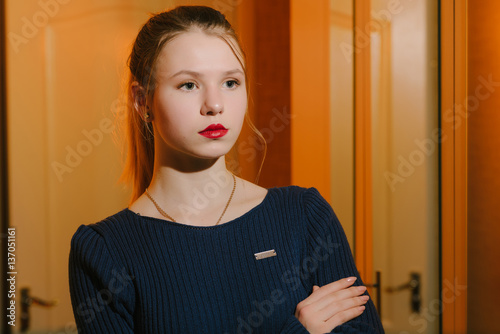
{"points": [[102, 293], [293, 326], [331, 258]]}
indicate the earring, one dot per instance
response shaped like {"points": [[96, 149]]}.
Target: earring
{"points": [[147, 115]]}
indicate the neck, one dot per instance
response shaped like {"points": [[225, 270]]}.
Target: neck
{"points": [[194, 186], [190, 189]]}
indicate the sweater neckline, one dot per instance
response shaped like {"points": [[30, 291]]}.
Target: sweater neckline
{"points": [[244, 216]]}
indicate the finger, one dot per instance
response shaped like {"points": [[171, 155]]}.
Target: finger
{"points": [[336, 307], [315, 287], [343, 317], [338, 296], [329, 288], [332, 309], [337, 286]]}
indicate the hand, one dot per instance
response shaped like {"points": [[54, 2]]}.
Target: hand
{"points": [[331, 305]]}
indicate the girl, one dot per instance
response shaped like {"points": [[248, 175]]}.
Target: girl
{"points": [[199, 250]]}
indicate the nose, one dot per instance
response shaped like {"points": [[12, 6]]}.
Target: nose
{"points": [[213, 102]]}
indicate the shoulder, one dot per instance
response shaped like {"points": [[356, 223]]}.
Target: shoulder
{"points": [[296, 191], [103, 242], [317, 213], [92, 234], [307, 198], [308, 212], [306, 202]]}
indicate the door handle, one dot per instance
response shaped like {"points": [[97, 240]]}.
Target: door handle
{"points": [[26, 301], [414, 286]]}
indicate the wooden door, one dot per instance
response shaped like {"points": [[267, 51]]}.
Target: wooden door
{"points": [[66, 65], [66, 60], [393, 62]]}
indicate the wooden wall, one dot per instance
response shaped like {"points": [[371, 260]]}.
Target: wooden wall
{"points": [[264, 27], [483, 166], [287, 43]]}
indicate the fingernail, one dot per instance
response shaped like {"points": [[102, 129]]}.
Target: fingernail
{"points": [[361, 308], [365, 298], [361, 288], [351, 279]]}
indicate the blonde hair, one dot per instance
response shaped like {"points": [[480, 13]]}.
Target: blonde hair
{"points": [[154, 35]]}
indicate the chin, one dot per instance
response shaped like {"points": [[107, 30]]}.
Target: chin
{"points": [[214, 150], [212, 155], [207, 153]]}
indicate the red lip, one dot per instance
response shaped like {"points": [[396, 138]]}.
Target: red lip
{"points": [[214, 131]]}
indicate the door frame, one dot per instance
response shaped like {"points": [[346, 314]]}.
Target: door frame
{"points": [[453, 165], [310, 104], [363, 202], [453, 159], [4, 186]]}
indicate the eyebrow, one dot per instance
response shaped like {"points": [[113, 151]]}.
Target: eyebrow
{"points": [[197, 74]]}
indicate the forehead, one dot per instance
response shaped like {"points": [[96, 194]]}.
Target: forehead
{"points": [[196, 51]]}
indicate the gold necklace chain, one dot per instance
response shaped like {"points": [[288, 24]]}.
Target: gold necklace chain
{"points": [[164, 214]]}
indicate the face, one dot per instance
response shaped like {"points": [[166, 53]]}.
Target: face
{"points": [[200, 97]]}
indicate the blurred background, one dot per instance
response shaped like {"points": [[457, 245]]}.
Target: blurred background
{"points": [[350, 96]]}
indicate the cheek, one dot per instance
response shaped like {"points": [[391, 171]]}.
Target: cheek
{"points": [[240, 105], [173, 114]]}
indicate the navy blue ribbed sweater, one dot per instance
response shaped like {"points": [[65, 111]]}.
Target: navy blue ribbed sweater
{"points": [[137, 274]]}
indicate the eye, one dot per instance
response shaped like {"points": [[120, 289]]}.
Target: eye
{"points": [[231, 84], [188, 86]]}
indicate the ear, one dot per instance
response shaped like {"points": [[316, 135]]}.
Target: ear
{"points": [[141, 105]]}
